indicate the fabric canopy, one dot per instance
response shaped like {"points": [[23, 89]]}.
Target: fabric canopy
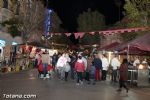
{"points": [[140, 45], [110, 47]]}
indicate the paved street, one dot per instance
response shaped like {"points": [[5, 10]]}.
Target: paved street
{"points": [[26, 82]]}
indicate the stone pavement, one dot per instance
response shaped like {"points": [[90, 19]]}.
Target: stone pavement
{"points": [[26, 82]]}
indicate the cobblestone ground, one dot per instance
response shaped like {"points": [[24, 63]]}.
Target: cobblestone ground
{"points": [[26, 82]]}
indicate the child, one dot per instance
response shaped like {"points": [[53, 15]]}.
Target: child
{"points": [[92, 73], [80, 68]]}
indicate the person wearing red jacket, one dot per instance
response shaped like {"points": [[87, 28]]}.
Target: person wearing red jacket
{"points": [[80, 68]]}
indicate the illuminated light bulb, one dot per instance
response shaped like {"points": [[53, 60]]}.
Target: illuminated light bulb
{"points": [[141, 66]]}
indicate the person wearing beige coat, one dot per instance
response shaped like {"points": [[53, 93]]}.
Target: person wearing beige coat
{"points": [[45, 61]]}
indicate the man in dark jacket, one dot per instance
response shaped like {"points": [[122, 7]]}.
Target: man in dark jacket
{"points": [[98, 65], [72, 63], [54, 60], [92, 74]]}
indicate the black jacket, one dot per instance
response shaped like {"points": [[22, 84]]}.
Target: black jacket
{"points": [[97, 63]]}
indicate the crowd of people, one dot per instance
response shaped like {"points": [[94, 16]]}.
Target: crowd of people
{"points": [[81, 67]]}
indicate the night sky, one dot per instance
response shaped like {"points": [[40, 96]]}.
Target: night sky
{"points": [[69, 10]]}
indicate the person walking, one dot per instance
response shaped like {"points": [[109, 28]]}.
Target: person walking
{"points": [[80, 68], [123, 71]]}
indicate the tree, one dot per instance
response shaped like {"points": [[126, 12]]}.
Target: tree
{"points": [[132, 14], [31, 17], [90, 39], [14, 6], [62, 39], [11, 25], [1, 3], [137, 12], [90, 21], [136, 15], [56, 23]]}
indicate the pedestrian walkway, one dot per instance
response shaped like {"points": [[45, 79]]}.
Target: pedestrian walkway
{"points": [[26, 82]]}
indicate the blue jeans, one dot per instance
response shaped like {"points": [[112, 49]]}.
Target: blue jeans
{"points": [[45, 69]]}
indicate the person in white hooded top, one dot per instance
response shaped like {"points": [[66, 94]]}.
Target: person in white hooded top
{"points": [[67, 66], [60, 66], [105, 65]]}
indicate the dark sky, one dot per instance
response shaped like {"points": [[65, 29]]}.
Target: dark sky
{"points": [[68, 10]]}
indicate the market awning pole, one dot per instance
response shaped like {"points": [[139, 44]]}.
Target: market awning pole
{"points": [[128, 52]]}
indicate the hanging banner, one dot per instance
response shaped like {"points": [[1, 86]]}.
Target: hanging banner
{"points": [[92, 33], [76, 35], [81, 35], [111, 32], [68, 34], [108, 32]]}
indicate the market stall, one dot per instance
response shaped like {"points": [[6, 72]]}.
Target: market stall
{"points": [[138, 47]]}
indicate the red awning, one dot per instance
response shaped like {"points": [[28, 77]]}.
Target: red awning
{"points": [[110, 47], [140, 45]]}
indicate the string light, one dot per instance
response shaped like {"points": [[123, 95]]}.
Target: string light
{"points": [[47, 25]]}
